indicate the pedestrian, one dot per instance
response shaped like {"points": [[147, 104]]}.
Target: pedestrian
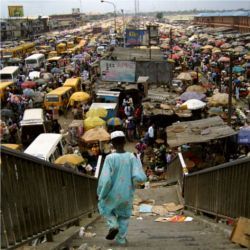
{"points": [[141, 146], [151, 135], [116, 188], [56, 127]]}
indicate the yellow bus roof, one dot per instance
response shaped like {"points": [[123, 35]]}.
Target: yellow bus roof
{"points": [[12, 146], [71, 82], [59, 91], [54, 58], [61, 45], [4, 85]]}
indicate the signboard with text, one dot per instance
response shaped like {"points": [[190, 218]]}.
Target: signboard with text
{"points": [[15, 11], [117, 71], [136, 37], [75, 10]]}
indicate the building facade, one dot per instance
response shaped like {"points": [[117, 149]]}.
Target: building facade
{"points": [[239, 20]]}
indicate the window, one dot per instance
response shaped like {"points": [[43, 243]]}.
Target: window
{"points": [[5, 76], [52, 98], [31, 61]]}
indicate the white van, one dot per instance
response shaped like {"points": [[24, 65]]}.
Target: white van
{"points": [[34, 61], [100, 50], [47, 146], [9, 74], [32, 124]]}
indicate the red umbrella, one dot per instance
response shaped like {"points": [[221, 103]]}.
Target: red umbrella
{"points": [[224, 59], [177, 48], [28, 84], [219, 43], [174, 56]]}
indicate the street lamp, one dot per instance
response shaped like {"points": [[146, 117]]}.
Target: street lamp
{"points": [[104, 1], [123, 20]]}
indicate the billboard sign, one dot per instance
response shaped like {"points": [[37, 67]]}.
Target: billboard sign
{"points": [[15, 11], [117, 71], [136, 37], [75, 10], [97, 30]]}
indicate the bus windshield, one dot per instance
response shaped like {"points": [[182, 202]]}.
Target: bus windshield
{"points": [[52, 98], [31, 61], [5, 76]]}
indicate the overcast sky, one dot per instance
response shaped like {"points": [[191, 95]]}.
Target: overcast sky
{"points": [[48, 7]]}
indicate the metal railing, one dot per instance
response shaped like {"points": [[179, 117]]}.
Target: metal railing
{"points": [[175, 172], [223, 191], [38, 197]]}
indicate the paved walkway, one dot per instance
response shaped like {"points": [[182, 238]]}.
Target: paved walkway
{"points": [[147, 234]]}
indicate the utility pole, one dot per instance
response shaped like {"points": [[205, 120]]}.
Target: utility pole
{"points": [[170, 42], [124, 34], [230, 94]]}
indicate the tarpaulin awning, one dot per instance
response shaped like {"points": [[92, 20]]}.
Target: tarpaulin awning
{"points": [[197, 131]]}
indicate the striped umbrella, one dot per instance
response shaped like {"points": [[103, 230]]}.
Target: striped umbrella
{"points": [[114, 121]]}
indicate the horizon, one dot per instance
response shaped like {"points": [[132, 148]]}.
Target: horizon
{"points": [[42, 8]]}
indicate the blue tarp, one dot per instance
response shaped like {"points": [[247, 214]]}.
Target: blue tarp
{"points": [[244, 135]]}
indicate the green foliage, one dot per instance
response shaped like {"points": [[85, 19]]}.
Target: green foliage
{"points": [[159, 15]]}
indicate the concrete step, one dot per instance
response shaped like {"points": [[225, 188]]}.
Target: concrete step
{"points": [[147, 234]]}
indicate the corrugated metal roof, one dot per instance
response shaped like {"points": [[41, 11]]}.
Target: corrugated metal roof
{"points": [[226, 13], [198, 131]]}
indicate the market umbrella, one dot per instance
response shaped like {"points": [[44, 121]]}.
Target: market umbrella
{"points": [[238, 69], [171, 60], [72, 159], [28, 84], [216, 50], [56, 71], [99, 112], [226, 46], [194, 74], [177, 48], [79, 97], [92, 122], [247, 57], [193, 104], [96, 134], [196, 88], [40, 81], [34, 74], [174, 56], [207, 47], [219, 99], [7, 113], [224, 59], [114, 121], [29, 92], [239, 49], [164, 46], [79, 56], [184, 76], [47, 76], [237, 43], [191, 95]]}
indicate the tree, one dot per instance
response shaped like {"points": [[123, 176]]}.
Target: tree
{"points": [[159, 15]]}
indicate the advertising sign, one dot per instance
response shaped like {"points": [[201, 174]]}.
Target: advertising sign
{"points": [[15, 11], [97, 30], [136, 37], [75, 10], [117, 71]]}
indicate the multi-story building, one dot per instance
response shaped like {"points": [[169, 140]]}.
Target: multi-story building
{"points": [[239, 20]]}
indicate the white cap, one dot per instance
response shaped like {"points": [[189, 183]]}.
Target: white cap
{"points": [[116, 134]]}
